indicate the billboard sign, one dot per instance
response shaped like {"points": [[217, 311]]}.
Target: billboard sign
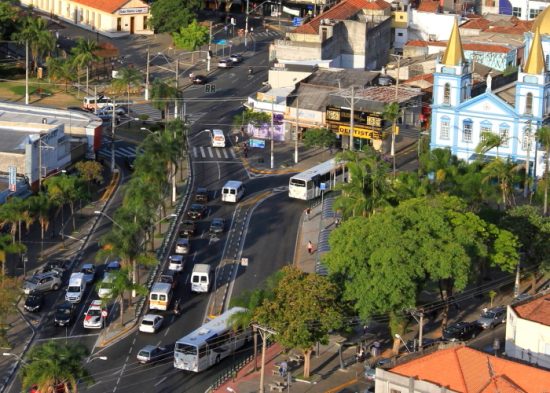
{"points": [[260, 143], [265, 131], [12, 171]]}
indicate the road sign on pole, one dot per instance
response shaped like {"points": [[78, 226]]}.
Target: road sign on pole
{"points": [[12, 171]]}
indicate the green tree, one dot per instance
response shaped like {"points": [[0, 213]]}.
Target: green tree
{"points": [[305, 308], [442, 167], [89, 171], [60, 70], [40, 208], [53, 364], [543, 137], [191, 37], [64, 189], [384, 261], [248, 116], [169, 15], [40, 39], [10, 291], [125, 80], [490, 140], [8, 19], [84, 54], [8, 246], [505, 173], [391, 113], [14, 213], [120, 286], [319, 137], [161, 95]]}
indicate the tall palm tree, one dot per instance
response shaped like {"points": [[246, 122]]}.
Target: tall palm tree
{"points": [[84, 53], [7, 246], [122, 284], [60, 70], [35, 32], [543, 137], [54, 364], [64, 189], [442, 165], [506, 174], [489, 141], [125, 80], [391, 113], [40, 207], [161, 94]]}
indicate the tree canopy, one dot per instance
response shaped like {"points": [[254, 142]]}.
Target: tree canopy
{"points": [[170, 15], [319, 137], [191, 37]]}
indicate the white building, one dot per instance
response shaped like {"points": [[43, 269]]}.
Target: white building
{"points": [[528, 331], [113, 18]]}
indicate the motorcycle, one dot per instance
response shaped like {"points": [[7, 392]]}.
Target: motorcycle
{"points": [[177, 307], [250, 71]]}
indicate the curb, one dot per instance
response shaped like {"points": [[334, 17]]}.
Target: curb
{"points": [[341, 386], [111, 187], [248, 167], [120, 335]]}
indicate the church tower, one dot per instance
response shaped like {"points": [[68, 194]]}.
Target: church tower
{"points": [[452, 77]]}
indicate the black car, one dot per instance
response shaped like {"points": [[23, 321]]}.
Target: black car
{"points": [[79, 109], [196, 211], [56, 264], [201, 195], [63, 314], [199, 80], [217, 226], [462, 331], [414, 345], [188, 228], [34, 302], [169, 277]]}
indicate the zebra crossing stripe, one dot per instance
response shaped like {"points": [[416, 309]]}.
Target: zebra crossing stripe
{"points": [[202, 152], [194, 151], [225, 153], [210, 152], [218, 153]]}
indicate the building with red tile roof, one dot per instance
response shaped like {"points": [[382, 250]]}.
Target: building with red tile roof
{"points": [[528, 331], [429, 6], [461, 369], [112, 18]]}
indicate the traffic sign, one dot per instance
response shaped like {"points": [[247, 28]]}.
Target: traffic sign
{"points": [[104, 313], [296, 21], [220, 42], [256, 143], [323, 186], [244, 261]]}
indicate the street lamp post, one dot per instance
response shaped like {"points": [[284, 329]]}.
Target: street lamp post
{"points": [[99, 212]]}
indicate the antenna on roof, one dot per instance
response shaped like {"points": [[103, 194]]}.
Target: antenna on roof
{"points": [[492, 373]]}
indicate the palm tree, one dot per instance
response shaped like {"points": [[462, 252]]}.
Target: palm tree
{"points": [[161, 94], [65, 189], [125, 80], [35, 33], [490, 140], [543, 137], [52, 365], [83, 56], [60, 70], [7, 246], [505, 173], [391, 113], [40, 207], [120, 285], [442, 166]]}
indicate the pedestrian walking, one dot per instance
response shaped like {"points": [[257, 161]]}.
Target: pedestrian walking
{"points": [[310, 247], [283, 368], [308, 213]]}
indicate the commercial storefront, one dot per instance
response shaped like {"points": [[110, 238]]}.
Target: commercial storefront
{"points": [[367, 128], [113, 18]]}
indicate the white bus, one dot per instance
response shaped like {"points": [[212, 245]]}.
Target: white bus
{"points": [[209, 344], [307, 185]]}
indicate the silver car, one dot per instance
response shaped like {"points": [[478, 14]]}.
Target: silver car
{"points": [[43, 282], [490, 318], [183, 246]]}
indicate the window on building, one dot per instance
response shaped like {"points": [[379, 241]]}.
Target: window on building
{"points": [[516, 11], [489, 3], [118, 24], [392, 390], [504, 132], [324, 34], [447, 94], [145, 22], [99, 21], [400, 34], [533, 13], [525, 140], [529, 104], [467, 131], [444, 128], [485, 129]]}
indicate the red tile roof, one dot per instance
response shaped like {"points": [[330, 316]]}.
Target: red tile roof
{"points": [[429, 6], [341, 11], [537, 310], [417, 43], [423, 77], [466, 370], [109, 6], [479, 23]]}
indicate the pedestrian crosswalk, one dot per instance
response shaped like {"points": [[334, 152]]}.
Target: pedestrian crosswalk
{"points": [[214, 153], [267, 33], [120, 151]]}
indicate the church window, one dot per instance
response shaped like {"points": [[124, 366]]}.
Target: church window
{"points": [[529, 104], [504, 132], [447, 94], [444, 128], [467, 131]]}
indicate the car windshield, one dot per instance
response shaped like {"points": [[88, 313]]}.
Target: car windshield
{"points": [[297, 182], [73, 289], [33, 280], [88, 271], [63, 311], [144, 354], [94, 312], [147, 322], [489, 314], [33, 298]]}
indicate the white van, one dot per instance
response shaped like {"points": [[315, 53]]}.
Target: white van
{"points": [[76, 288], [160, 296], [218, 138], [96, 102], [232, 191], [201, 278]]}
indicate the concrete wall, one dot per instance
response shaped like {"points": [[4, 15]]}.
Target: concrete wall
{"points": [[296, 50], [12, 159], [378, 45], [388, 382], [281, 78], [426, 24]]}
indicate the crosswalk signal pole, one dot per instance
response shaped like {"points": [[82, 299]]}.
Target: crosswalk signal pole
{"points": [[113, 136]]}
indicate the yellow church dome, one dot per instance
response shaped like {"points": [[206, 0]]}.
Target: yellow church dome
{"points": [[542, 22]]}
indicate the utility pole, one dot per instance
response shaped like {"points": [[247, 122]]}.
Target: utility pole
{"points": [[527, 160], [272, 131], [39, 162], [418, 316], [394, 126], [245, 24], [265, 333], [26, 72], [177, 76], [113, 136], [296, 141], [209, 49], [352, 118], [147, 76]]}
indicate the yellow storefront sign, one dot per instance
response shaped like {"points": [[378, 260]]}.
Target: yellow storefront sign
{"points": [[359, 132]]}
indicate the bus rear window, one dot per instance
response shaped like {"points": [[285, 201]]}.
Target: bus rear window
{"points": [[186, 349], [297, 182]]}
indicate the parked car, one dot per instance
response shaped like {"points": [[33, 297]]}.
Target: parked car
{"points": [[462, 331], [57, 264], [63, 314], [78, 109], [89, 271], [43, 282], [183, 246], [176, 263], [201, 195], [492, 317], [217, 226], [152, 353], [34, 302], [521, 297], [188, 228], [236, 58], [108, 108], [199, 80], [225, 63], [197, 211], [94, 317], [112, 266], [151, 323], [169, 277]]}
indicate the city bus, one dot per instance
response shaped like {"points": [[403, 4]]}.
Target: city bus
{"points": [[210, 343], [307, 185]]}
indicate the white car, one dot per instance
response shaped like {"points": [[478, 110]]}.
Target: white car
{"points": [[183, 246], [95, 316], [225, 63], [151, 323], [176, 263]]}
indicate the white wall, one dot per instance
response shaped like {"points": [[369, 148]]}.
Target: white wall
{"points": [[424, 24]]}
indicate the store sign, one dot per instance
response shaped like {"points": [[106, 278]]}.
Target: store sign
{"points": [[12, 179], [342, 116], [134, 10], [359, 132]]}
